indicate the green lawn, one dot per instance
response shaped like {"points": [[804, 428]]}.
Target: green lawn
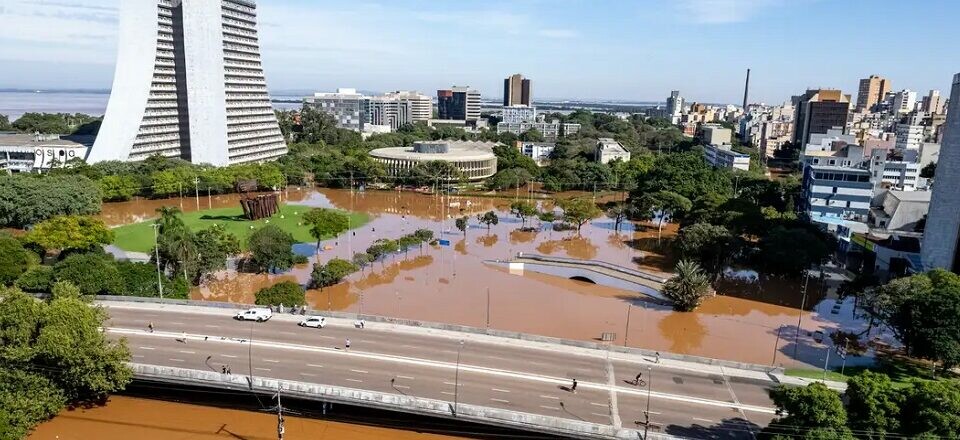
{"points": [[138, 237], [901, 371]]}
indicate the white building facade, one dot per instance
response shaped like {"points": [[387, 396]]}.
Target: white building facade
{"points": [[189, 83]]}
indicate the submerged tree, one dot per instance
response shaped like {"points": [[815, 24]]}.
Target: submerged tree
{"points": [[688, 287]]}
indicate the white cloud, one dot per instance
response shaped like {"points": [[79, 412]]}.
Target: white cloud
{"points": [[723, 11], [33, 30]]}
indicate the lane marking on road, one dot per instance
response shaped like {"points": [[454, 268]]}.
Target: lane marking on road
{"points": [[703, 420], [550, 407], [355, 380], [211, 326], [601, 415], [655, 413], [228, 356], [288, 333], [315, 365], [177, 323], [599, 404], [499, 390], [138, 356], [177, 360], [262, 369], [447, 393], [553, 380], [404, 377], [146, 348], [409, 346], [326, 337], [402, 387], [614, 407], [500, 400], [550, 397], [360, 371], [308, 374], [271, 361], [451, 383], [187, 352]]}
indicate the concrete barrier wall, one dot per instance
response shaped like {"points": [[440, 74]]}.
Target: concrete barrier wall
{"points": [[392, 402], [467, 329]]}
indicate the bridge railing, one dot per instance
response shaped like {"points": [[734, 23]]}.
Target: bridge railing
{"points": [[603, 264]]}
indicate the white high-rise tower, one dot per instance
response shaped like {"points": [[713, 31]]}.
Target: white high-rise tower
{"points": [[189, 83]]}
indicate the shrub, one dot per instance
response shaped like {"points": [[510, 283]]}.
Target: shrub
{"points": [[14, 260], [325, 275], [94, 274], [38, 279]]}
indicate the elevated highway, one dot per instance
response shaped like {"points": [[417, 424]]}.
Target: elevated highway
{"points": [[509, 382]]}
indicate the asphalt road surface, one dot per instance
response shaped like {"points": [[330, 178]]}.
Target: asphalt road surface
{"points": [[436, 366]]}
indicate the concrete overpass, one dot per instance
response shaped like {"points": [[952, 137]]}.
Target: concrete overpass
{"points": [[597, 272], [515, 382]]}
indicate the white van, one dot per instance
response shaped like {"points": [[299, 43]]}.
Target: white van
{"points": [[259, 314]]}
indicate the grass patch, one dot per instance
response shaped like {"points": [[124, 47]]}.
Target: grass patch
{"points": [[901, 371], [818, 374], [138, 237]]}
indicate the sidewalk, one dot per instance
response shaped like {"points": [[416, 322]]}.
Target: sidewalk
{"points": [[641, 356]]}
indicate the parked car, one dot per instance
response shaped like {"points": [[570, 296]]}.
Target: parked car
{"points": [[259, 314], [314, 321]]}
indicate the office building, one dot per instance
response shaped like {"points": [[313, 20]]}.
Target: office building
{"points": [[36, 153], [347, 107], [817, 111], [674, 107], [932, 103], [909, 136], [550, 130], [517, 91], [474, 160], [715, 134], [872, 90], [421, 106], [538, 151], [609, 150], [519, 113], [390, 114], [189, 84], [904, 101], [940, 236], [722, 156], [836, 196], [458, 103]]}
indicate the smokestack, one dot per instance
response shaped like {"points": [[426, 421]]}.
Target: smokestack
{"points": [[746, 91]]}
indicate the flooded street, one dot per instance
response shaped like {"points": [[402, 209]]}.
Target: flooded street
{"points": [[144, 419], [746, 322]]}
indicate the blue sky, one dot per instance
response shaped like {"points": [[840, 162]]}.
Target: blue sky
{"points": [[611, 49]]}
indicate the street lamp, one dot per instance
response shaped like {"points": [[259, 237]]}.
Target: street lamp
{"points": [[456, 382], [803, 304], [156, 250], [646, 414]]}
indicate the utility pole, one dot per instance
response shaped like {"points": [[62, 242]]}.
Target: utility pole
{"points": [[646, 414], [488, 307], [280, 428], [196, 190], [156, 250], [803, 303], [456, 382], [626, 330]]}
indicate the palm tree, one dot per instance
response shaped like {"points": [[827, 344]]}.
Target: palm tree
{"points": [[169, 218], [688, 287]]}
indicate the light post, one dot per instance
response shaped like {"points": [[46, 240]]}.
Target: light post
{"points": [[488, 308], [156, 250], [626, 330], [803, 303], [776, 345], [646, 414], [456, 382]]}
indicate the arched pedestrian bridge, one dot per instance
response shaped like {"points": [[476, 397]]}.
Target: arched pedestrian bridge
{"points": [[593, 271]]}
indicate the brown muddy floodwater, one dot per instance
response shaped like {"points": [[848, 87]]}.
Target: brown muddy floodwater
{"points": [[125, 418], [746, 322]]}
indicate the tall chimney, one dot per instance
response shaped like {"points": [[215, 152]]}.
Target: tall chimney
{"points": [[746, 91]]}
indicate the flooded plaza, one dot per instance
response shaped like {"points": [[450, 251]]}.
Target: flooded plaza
{"points": [[747, 321]]}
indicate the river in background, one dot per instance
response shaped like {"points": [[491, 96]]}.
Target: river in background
{"points": [[15, 104], [749, 321]]}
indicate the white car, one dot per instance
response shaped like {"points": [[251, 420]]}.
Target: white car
{"points": [[259, 314], [314, 321]]}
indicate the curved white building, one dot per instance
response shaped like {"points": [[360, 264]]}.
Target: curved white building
{"points": [[475, 160], [189, 83]]}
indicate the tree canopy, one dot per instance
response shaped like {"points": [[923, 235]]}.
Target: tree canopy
{"points": [[27, 199], [271, 249], [70, 232], [285, 292]]}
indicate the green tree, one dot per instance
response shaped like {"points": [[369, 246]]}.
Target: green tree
{"points": [[462, 225], [70, 232], [5, 123], [26, 399], [618, 212], [711, 246], [14, 260], [37, 279], [932, 409], [27, 199], [789, 251], [873, 404], [662, 205], [140, 279], [284, 292], [804, 408], [325, 223], [522, 210], [93, 273], [532, 135], [510, 157], [214, 246], [424, 235], [361, 259], [688, 287], [271, 249], [488, 218], [118, 188], [579, 211], [686, 174], [333, 272], [509, 178]]}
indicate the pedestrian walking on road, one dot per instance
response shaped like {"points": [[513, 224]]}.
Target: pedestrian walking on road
{"points": [[150, 326], [228, 370], [573, 388], [347, 344], [223, 369], [658, 357]]}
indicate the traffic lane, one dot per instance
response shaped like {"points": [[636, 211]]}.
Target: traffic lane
{"points": [[674, 381], [423, 346], [682, 419], [751, 391]]}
